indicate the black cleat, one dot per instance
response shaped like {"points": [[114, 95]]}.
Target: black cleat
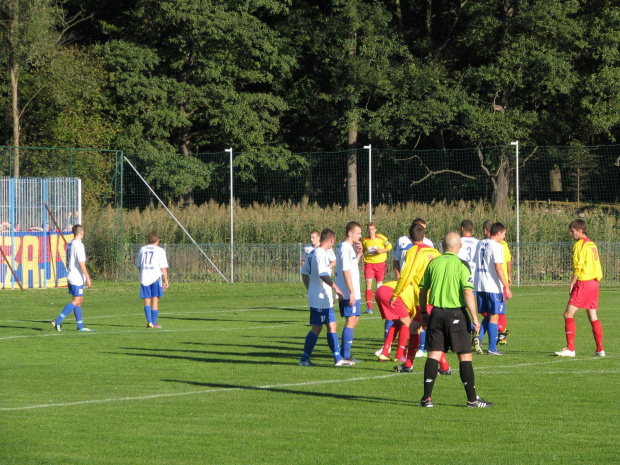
{"points": [[479, 403], [427, 403], [403, 369]]}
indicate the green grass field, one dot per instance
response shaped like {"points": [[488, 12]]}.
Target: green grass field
{"points": [[219, 384]]}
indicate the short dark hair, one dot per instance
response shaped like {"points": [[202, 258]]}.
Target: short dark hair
{"points": [[327, 234], [416, 232], [487, 226], [77, 228], [418, 221], [153, 237], [467, 225], [351, 225], [497, 228], [578, 224]]}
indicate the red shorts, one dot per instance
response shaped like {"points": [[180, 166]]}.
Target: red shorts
{"points": [[585, 295], [375, 271], [388, 312], [418, 313]]}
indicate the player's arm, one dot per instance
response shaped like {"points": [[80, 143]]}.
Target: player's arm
{"points": [[470, 301], [85, 273], [423, 306], [306, 280], [328, 280], [347, 279], [164, 272], [387, 245], [502, 278], [509, 271], [406, 277], [577, 266]]}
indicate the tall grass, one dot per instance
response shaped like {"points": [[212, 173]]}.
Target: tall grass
{"points": [[282, 223], [209, 223]]}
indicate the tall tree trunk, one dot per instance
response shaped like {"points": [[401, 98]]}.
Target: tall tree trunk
{"points": [[399, 20], [352, 135], [14, 73], [305, 198], [501, 184]]}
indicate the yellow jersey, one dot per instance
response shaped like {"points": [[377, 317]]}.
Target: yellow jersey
{"points": [[370, 247], [406, 296], [417, 259], [586, 262], [507, 258]]}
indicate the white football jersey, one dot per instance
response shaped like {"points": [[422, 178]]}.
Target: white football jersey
{"points": [[75, 255], [307, 249], [151, 259], [317, 265], [346, 260], [486, 279], [403, 244], [468, 251]]}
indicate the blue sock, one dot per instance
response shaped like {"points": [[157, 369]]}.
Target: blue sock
{"points": [[492, 337], [347, 342], [65, 313], [78, 317], [147, 313], [422, 340], [154, 315], [332, 340], [484, 328], [388, 325], [311, 339]]}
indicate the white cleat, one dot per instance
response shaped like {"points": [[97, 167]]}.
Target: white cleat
{"points": [[565, 353], [599, 354], [377, 353], [343, 362], [420, 354]]}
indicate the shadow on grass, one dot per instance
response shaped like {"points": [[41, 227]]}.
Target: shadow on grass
{"points": [[245, 361], [322, 395], [30, 328]]}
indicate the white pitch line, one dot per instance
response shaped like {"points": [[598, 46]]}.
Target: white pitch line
{"points": [[210, 391]]}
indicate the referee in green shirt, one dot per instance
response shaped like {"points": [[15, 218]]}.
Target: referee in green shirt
{"points": [[448, 326]]}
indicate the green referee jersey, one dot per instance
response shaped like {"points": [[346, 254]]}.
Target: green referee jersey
{"points": [[446, 276]]}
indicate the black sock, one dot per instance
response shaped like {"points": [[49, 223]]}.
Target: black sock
{"points": [[430, 374], [466, 370]]}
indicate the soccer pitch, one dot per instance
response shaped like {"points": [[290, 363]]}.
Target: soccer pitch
{"points": [[220, 384]]}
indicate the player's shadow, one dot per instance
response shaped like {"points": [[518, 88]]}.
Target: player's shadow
{"points": [[152, 354], [30, 328], [193, 318], [287, 309], [322, 395]]}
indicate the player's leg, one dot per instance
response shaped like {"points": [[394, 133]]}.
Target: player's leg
{"points": [[403, 339], [414, 338], [493, 319], [75, 292], [369, 307], [317, 319], [502, 332], [155, 311], [332, 339], [348, 332], [597, 331], [570, 330], [77, 311], [147, 312]]}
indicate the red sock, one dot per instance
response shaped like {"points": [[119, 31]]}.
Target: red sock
{"points": [[369, 298], [597, 330], [414, 343], [389, 338], [569, 326], [443, 362], [501, 324], [403, 337]]}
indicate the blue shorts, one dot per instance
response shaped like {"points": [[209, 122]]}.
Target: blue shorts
{"points": [[346, 310], [152, 290], [491, 303], [322, 316], [76, 291]]}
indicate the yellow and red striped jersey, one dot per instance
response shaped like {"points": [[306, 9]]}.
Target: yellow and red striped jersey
{"points": [[417, 259]]}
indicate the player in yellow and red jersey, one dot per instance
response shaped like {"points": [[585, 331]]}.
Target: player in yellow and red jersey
{"points": [[502, 332], [584, 289], [375, 249]]}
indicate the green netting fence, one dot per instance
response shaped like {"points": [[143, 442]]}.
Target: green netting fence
{"points": [[279, 197]]}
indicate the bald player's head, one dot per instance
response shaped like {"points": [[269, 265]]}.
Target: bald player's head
{"points": [[452, 242]]}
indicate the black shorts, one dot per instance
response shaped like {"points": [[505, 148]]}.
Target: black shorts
{"points": [[448, 328]]}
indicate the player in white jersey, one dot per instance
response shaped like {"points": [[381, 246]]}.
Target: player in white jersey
{"points": [[403, 244], [489, 283], [315, 241], [468, 245], [348, 280], [316, 277], [77, 276], [153, 265]]}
